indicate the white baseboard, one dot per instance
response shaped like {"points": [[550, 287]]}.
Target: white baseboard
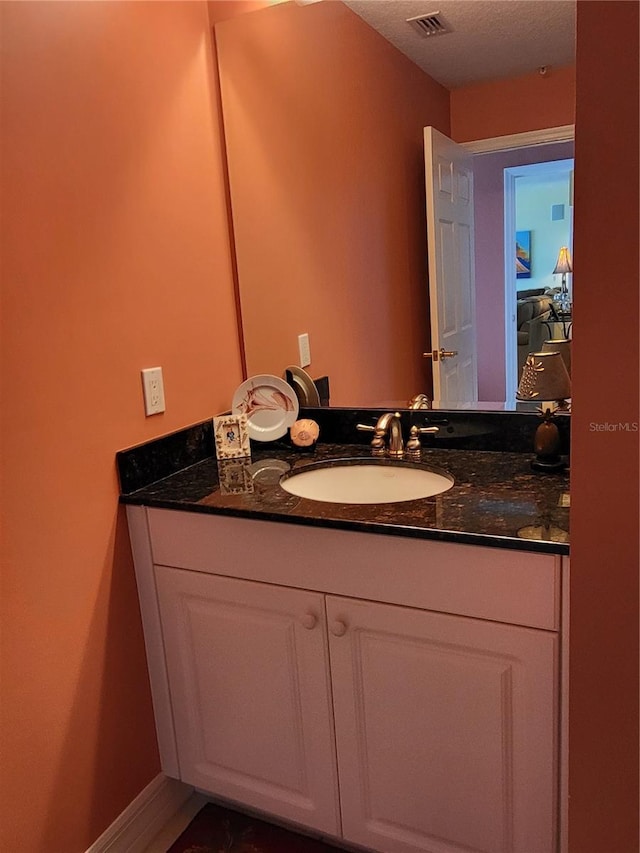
{"points": [[134, 829]]}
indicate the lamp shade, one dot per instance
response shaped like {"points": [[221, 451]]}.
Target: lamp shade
{"points": [[563, 264], [563, 346], [544, 377]]}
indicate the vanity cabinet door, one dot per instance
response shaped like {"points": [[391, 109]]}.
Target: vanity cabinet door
{"points": [[249, 682], [445, 730]]}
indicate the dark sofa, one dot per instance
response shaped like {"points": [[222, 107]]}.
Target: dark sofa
{"points": [[533, 307]]}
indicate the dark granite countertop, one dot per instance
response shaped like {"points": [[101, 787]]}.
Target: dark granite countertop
{"points": [[496, 499]]}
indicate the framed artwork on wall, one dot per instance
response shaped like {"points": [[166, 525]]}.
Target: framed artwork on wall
{"points": [[523, 254]]}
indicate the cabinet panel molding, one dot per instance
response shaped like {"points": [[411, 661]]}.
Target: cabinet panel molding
{"points": [[445, 731], [250, 691]]}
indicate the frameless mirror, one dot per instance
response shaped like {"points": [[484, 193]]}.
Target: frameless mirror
{"points": [[323, 122]]}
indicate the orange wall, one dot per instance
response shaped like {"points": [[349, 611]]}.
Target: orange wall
{"points": [[115, 257], [221, 10], [329, 209], [516, 105], [603, 740]]}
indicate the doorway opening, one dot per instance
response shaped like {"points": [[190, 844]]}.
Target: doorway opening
{"points": [[538, 219], [496, 283]]}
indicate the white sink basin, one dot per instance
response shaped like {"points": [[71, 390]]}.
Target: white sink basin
{"points": [[366, 482]]}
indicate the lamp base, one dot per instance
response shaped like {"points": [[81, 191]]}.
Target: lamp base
{"points": [[546, 444], [551, 466]]}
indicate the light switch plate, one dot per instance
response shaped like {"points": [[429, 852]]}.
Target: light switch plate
{"points": [[304, 349]]}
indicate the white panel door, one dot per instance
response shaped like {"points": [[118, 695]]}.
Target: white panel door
{"points": [[445, 731], [249, 680], [450, 246]]}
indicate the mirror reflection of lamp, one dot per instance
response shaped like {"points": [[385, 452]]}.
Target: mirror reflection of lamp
{"points": [[563, 266], [545, 379]]}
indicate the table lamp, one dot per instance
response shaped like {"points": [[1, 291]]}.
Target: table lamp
{"points": [[545, 379], [563, 266]]}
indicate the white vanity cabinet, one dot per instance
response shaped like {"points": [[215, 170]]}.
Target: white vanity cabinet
{"points": [[401, 694]]}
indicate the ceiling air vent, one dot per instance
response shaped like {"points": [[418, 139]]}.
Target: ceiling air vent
{"points": [[430, 25]]}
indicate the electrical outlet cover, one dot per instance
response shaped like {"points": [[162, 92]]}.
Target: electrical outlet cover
{"points": [[153, 389]]}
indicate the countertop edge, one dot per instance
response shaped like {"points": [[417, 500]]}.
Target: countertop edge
{"points": [[407, 531]]}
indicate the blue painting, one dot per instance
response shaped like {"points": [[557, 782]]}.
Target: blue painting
{"points": [[523, 254]]}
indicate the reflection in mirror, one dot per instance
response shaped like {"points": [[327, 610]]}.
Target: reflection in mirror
{"points": [[324, 125], [536, 183]]}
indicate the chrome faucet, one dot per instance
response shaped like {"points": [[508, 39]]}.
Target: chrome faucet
{"points": [[390, 424]]}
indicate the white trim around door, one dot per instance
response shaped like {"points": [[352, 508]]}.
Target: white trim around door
{"points": [[547, 136]]}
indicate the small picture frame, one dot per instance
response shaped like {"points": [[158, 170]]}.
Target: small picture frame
{"points": [[231, 436]]}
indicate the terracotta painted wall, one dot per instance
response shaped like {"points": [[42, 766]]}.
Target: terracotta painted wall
{"points": [[603, 737], [324, 126], [115, 257], [222, 10], [488, 178], [516, 105]]}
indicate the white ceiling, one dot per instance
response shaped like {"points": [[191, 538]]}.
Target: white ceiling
{"points": [[489, 39]]}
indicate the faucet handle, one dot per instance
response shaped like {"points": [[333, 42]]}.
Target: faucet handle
{"points": [[432, 430], [414, 448], [377, 442]]}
